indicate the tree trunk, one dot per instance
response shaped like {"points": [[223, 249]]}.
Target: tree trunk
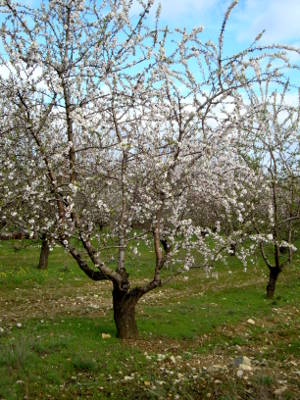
{"points": [[101, 226], [283, 249], [232, 249], [2, 224], [290, 239], [273, 275], [44, 254], [124, 312]]}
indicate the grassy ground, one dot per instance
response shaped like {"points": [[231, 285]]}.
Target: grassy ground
{"points": [[51, 326]]}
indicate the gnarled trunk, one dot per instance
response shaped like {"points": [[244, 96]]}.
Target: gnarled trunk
{"points": [[124, 312], [273, 275], [44, 254]]}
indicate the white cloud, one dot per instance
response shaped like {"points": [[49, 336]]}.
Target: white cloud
{"points": [[185, 13], [292, 99], [178, 9], [280, 19]]}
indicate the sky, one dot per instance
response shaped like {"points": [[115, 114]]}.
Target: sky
{"points": [[280, 18]]}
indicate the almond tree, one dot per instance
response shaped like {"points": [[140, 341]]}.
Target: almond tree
{"points": [[269, 136], [118, 126], [14, 146]]}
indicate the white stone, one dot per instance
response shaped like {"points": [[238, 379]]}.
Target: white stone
{"points": [[279, 391], [239, 373], [216, 367], [94, 306], [105, 336], [242, 360], [245, 367], [128, 378], [173, 359], [251, 321]]}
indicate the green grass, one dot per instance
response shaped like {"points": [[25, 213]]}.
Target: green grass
{"points": [[18, 266], [59, 352]]}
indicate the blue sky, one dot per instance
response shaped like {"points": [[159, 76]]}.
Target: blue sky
{"points": [[280, 18]]}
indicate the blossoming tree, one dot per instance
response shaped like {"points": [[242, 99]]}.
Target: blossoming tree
{"points": [[269, 138], [117, 122]]}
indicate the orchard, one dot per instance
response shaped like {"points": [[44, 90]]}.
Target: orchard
{"points": [[119, 134]]}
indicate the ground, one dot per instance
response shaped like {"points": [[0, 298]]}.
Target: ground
{"points": [[57, 337]]}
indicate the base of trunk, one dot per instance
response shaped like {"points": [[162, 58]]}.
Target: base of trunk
{"points": [[44, 254], [273, 275], [124, 313]]}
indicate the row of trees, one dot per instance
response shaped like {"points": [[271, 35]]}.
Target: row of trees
{"points": [[104, 121]]}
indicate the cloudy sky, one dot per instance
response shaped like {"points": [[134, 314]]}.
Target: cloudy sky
{"points": [[280, 18]]}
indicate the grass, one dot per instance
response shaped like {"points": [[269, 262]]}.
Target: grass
{"points": [[51, 344], [18, 261]]}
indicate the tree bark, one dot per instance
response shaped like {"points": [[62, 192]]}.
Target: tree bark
{"points": [[232, 249], [44, 254], [273, 275], [290, 239], [283, 250], [2, 224], [124, 312]]}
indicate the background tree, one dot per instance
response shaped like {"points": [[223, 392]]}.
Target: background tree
{"points": [[270, 137]]}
